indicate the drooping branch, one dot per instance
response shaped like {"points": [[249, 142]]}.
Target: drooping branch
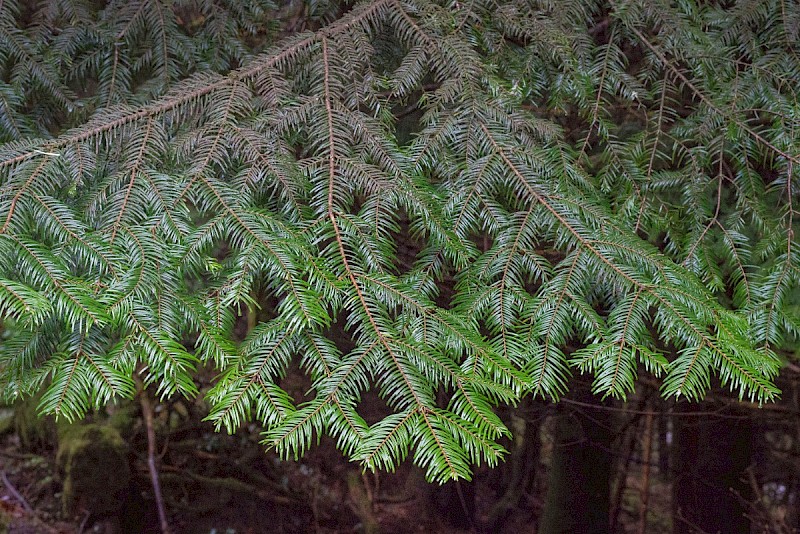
{"points": [[190, 91]]}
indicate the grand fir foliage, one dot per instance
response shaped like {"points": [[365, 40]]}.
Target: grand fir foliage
{"points": [[588, 187]]}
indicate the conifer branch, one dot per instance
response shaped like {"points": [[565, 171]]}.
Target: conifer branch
{"points": [[522, 222]]}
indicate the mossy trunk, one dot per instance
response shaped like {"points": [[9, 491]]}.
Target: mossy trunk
{"points": [[578, 488], [34, 431], [361, 503], [93, 464]]}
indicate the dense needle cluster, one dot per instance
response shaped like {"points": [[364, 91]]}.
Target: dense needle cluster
{"points": [[601, 187]]}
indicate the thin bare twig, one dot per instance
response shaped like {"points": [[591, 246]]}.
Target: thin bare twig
{"points": [[19, 455], [629, 432], [777, 525], [147, 415], [645, 493], [16, 494]]}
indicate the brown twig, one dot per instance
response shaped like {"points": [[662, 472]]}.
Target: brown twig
{"points": [[628, 448], [685, 520], [778, 525], [16, 494], [147, 415], [645, 493], [82, 527], [41, 525], [19, 455]]}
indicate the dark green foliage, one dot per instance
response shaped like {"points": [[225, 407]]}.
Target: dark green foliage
{"points": [[602, 188]]}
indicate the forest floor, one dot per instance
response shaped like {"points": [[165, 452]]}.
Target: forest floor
{"points": [[219, 484], [215, 483]]}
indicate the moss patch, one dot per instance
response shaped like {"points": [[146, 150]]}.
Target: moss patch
{"points": [[93, 463]]}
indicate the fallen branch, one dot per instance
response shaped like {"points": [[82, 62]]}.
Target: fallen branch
{"points": [[231, 484]]}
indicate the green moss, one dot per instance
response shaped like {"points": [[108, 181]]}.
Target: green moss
{"points": [[6, 421], [5, 521], [93, 463], [122, 416], [33, 430]]}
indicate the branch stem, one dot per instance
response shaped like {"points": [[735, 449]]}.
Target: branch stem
{"points": [[147, 415], [14, 493]]}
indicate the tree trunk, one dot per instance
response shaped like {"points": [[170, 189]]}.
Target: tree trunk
{"points": [[711, 453], [578, 490], [516, 476], [455, 504]]}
